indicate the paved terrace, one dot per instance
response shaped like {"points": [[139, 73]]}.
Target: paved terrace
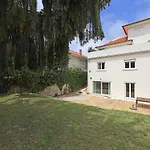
{"points": [[106, 103]]}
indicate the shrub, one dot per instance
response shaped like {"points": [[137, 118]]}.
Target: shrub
{"points": [[34, 82], [76, 78]]}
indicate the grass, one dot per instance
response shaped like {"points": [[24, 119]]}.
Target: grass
{"points": [[36, 123]]}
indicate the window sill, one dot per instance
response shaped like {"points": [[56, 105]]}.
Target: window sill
{"points": [[130, 69], [103, 70]]}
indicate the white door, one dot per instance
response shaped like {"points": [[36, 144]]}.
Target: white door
{"points": [[130, 90]]}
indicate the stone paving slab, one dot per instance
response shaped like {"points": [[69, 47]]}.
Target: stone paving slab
{"points": [[106, 103]]}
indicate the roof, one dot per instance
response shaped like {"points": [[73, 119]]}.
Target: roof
{"points": [[76, 54], [127, 25], [124, 38], [116, 41]]}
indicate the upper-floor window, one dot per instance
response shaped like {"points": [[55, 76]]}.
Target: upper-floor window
{"points": [[101, 65], [130, 64]]}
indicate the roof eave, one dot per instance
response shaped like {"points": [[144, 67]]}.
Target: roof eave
{"points": [[130, 24], [117, 44], [124, 29]]}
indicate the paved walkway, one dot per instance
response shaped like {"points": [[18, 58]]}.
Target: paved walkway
{"points": [[106, 103]]}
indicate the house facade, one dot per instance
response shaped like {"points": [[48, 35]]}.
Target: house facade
{"points": [[77, 60], [120, 68]]}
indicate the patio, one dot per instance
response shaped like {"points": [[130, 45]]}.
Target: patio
{"points": [[106, 103]]}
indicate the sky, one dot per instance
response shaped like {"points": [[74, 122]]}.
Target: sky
{"points": [[119, 13]]}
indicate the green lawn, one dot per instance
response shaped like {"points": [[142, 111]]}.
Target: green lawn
{"points": [[38, 123]]}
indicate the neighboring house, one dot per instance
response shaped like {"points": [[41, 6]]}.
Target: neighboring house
{"points": [[77, 60], [121, 68]]}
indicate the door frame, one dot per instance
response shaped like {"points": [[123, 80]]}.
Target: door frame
{"points": [[130, 91], [101, 90]]}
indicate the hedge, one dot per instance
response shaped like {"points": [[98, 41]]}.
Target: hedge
{"points": [[37, 81]]}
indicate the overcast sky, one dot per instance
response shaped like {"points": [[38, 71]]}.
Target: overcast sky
{"points": [[120, 12]]}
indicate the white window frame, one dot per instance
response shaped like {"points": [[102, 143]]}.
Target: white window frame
{"points": [[101, 65], [130, 90], [129, 61], [101, 90]]}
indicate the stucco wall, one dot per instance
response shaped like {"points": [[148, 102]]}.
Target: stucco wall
{"points": [[139, 32], [116, 74], [77, 62], [114, 57], [120, 50]]}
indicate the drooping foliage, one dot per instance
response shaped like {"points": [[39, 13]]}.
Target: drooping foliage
{"points": [[38, 41]]}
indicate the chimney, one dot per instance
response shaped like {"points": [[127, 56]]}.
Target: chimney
{"points": [[80, 51]]}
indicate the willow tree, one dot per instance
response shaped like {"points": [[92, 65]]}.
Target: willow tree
{"points": [[3, 35], [18, 20], [22, 29], [66, 19], [3, 42], [33, 40]]}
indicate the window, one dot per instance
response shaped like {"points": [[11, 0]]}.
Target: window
{"points": [[130, 64], [130, 90], [106, 88], [97, 87], [127, 65], [101, 65], [101, 87]]}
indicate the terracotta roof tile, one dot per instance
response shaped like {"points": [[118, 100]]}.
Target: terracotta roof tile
{"points": [[76, 53], [115, 41], [124, 38]]}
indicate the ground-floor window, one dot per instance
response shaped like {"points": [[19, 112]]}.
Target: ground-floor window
{"points": [[130, 90], [101, 87]]}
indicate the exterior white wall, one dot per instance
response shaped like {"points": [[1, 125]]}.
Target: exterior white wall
{"points": [[114, 58], [141, 39], [77, 62], [139, 32], [118, 76], [120, 50]]}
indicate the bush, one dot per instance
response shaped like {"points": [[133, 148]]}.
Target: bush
{"points": [[76, 78], [34, 82], [24, 78]]}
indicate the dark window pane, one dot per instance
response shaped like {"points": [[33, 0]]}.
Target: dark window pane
{"points": [[126, 64], [97, 87], [99, 65], [94, 87], [127, 90], [103, 65], [106, 88], [132, 64], [132, 90]]}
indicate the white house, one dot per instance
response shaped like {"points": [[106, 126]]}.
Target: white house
{"points": [[77, 60], [121, 68]]}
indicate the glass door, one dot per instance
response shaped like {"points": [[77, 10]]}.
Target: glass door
{"points": [[97, 87], [130, 90], [101, 87], [106, 88]]}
